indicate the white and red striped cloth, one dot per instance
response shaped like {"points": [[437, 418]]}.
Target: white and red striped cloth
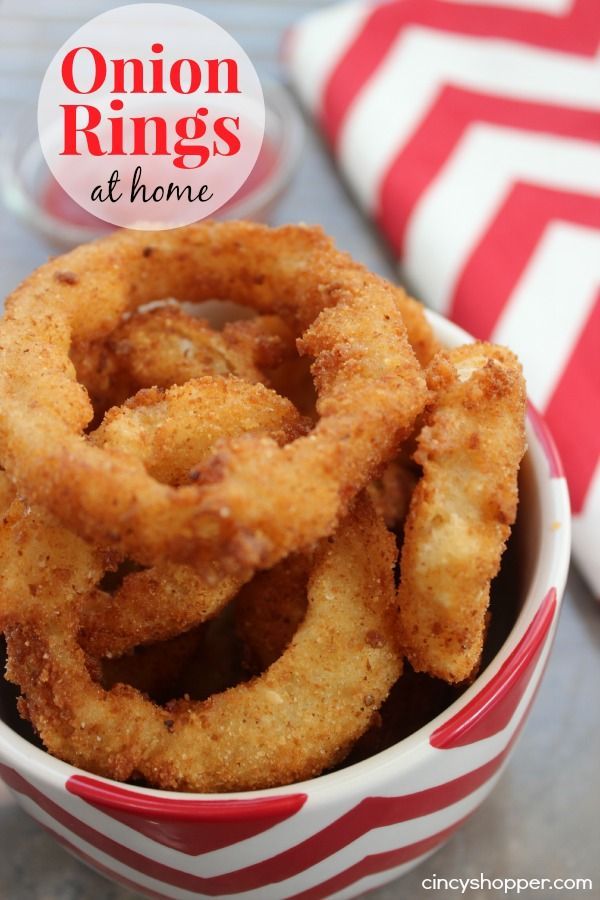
{"points": [[470, 132]]}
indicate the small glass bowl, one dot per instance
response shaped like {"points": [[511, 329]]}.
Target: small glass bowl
{"points": [[24, 175]]}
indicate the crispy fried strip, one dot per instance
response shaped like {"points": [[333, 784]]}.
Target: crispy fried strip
{"points": [[39, 561], [299, 717], [461, 511], [7, 492], [370, 387]]}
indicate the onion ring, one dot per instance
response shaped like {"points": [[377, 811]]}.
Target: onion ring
{"points": [[170, 431], [461, 511], [369, 382], [164, 346], [39, 557], [152, 605], [278, 727]]}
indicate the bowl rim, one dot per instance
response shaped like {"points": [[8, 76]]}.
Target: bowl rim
{"points": [[553, 550]]}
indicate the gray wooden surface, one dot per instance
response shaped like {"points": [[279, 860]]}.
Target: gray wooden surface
{"points": [[542, 819]]}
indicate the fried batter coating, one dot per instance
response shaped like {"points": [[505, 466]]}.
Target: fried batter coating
{"points": [[39, 560], [172, 431], [370, 384], [153, 605], [7, 492], [292, 376], [267, 340], [299, 717], [463, 507]]}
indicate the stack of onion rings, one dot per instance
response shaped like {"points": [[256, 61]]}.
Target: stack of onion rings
{"points": [[176, 463], [369, 383]]}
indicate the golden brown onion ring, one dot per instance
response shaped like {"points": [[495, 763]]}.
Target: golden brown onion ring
{"points": [[153, 605], [461, 511], [164, 346], [40, 558], [299, 717], [370, 388], [170, 431]]}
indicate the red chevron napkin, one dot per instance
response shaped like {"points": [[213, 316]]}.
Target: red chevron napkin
{"points": [[470, 133]]}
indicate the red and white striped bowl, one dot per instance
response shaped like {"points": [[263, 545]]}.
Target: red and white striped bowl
{"points": [[347, 832]]}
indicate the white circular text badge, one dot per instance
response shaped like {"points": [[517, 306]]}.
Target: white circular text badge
{"points": [[151, 116]]}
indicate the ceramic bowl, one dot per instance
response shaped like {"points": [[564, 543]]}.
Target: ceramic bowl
{"points": [[350, 831]]}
